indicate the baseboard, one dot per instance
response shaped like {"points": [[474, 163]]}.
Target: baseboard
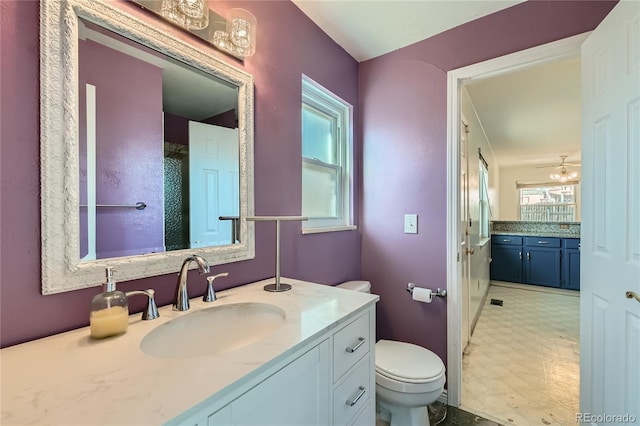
{"points": [[475, 320]]}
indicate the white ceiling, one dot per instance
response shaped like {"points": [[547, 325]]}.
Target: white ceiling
{"points": [[530, 117], [370, 28]]}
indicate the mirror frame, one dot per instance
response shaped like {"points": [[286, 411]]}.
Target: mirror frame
{"points": [[59, 158]]}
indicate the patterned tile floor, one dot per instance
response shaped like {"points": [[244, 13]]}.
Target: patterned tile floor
{"points": [[522, 365]]}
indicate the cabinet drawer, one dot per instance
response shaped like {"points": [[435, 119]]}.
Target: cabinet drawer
{"points": [[353, 393], [572, 243], [542, 242], [510, 240], [349, 345]]}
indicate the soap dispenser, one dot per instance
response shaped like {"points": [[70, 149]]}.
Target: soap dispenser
{"points": [[109, 310]]}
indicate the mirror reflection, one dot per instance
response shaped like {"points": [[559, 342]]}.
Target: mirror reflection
{"points": [[158, 151]]}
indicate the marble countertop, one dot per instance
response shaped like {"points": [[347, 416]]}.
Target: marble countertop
{"points": [[70, 378], [538, 234]]}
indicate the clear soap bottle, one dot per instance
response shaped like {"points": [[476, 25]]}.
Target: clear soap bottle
{"points": [[109, 310]]}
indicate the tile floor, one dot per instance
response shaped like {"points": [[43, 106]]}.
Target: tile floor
{"points": [[522, 364]]}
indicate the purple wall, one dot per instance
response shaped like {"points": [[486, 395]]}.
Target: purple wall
{"points": [[224, 119], [403, 105], [129, 150], [283, 54], [176, 129]]}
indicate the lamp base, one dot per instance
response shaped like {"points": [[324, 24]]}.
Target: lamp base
{"points": [[273, 288]]}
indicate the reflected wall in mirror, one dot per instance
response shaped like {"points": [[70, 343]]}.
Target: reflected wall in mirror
{"points": [[146, 148], [158, 132]]}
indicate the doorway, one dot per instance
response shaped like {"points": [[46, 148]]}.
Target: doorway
{"points": [[552, 52]]}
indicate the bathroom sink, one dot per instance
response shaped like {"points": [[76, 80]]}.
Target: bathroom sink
{"points": [[213, 330]]}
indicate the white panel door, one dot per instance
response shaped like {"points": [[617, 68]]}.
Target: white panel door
{"points": [[610, 256], [213, 183]]}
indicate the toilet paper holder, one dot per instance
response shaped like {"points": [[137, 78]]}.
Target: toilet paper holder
{"points": [[439, 292]]}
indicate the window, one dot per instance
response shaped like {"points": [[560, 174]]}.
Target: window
{"points": [[547, 203], [485, 207], [326, 160]]}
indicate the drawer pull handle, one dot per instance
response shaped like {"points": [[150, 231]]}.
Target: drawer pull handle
{"points": [[506, 241], [354, 401], [520, 255], [352, 349], [543, 242]]}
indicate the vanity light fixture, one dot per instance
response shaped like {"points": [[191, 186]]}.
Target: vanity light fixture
{"points": [[235, 35]]}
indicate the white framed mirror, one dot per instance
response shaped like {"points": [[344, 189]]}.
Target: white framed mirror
{"points": [[87, 225]]}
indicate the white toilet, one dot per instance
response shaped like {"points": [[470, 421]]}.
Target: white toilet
{"points": [[408, 377]]}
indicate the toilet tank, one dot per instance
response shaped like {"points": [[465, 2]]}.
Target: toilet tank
{"points": [[361, 286]]}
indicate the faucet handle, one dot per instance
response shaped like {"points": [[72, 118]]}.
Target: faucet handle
{"points": [[151, 310], [210, 295]]}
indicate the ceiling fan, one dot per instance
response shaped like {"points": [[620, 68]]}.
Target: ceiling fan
{"points": [[563, 175], [561, 165]]}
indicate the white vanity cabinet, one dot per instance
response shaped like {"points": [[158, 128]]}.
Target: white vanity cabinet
{"points": [[316, 368], [330, 382]]}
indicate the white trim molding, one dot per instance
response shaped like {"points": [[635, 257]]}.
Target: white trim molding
{"points": [[552, 52], [62, 268]]}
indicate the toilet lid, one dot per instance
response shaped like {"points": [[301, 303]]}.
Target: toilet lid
{"points": [[407, 362]]}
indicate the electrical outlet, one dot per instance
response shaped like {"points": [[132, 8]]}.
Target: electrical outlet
{"points": [[410, 223]]}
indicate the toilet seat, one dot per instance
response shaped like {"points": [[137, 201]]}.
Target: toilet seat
{"points": [[407, 363]]}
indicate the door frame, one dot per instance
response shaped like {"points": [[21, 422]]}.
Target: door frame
{"points": [[547, 53]]}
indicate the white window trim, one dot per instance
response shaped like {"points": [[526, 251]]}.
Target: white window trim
{"points": [[322, 99]]}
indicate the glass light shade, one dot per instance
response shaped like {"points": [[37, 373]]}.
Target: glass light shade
{"points": [[196, 13], [169, 9], [564, 175], [241, 27], [189, 14]]}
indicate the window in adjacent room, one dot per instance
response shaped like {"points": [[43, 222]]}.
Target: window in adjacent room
{"points": [[326, 160], [485, 207], [547, 203]]}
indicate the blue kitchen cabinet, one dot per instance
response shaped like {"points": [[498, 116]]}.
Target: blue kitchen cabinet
{"points": [[571, 264], [506, 258], [550, 262], [543, 264]]}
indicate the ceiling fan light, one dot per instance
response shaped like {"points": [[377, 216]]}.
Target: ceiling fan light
{"points": [[564, 175]]}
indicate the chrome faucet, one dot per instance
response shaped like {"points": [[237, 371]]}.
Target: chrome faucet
{"points": [[182, 297]]}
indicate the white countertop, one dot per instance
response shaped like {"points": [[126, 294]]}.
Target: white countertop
{"points": [[70, 378]]}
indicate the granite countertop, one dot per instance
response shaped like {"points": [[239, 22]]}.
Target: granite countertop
{"points": [[70, 378], [538, 234]]}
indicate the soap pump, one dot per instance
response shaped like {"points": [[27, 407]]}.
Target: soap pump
{"points": [[109, 310]]}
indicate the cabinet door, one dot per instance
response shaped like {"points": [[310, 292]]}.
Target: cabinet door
{"points": [[296, 395], [571, 269], [367, 417], [506, 263], [542, 266]]}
